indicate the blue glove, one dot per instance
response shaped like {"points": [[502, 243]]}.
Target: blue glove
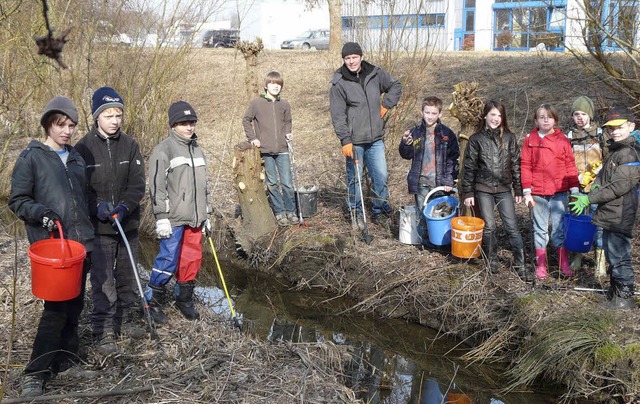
{"points": [[580, 203], [103, 211], [49, 219], [121, 211]]}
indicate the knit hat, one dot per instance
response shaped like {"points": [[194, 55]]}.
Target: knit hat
{"points": [[181, 111], [351, 48], [104, 98], [583, 104], [59, 104], [619, 115]]}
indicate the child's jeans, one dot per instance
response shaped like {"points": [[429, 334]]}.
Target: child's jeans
{"points": [[549, 209], [277, 168], [504, 202], [617, 249]]}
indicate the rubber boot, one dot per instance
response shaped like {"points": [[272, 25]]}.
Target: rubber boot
{"points": [[541, 263], [184, 300], [563, 262], [155, 295], [601, 264], [489, 249], [576, 261], [621, 297], [519, 267]]}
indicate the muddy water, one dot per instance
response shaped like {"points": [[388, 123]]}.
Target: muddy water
{"points": [[391, 361]]}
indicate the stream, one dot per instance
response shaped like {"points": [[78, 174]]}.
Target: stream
{"points": [[392, 361]]}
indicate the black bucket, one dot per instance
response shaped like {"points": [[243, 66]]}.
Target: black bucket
{"points": [[308, 202]]}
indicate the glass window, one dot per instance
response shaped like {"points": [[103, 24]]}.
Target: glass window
{"points": [[409, 21], [469, 3], [469, 23], [556, 19], [432, 20], [348, 22], [503, 20], [375, 22]]}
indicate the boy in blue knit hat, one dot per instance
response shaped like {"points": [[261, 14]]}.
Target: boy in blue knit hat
{"points": [[116, 185]]}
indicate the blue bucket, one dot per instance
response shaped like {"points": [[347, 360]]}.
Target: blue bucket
{"points": [[439, 228], [579, 233]]}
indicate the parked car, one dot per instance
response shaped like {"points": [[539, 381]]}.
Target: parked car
{"points": [[220, 38], [318, 39]]}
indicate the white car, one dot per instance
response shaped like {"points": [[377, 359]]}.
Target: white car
{"points": [[318, 39]]}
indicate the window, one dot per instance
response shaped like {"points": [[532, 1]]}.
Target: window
{"points": [[432, 20], [519, 25], [619, 20]]}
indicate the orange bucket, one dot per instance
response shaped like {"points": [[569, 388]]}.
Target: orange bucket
{"points": [[56, 268], [466, 236]]}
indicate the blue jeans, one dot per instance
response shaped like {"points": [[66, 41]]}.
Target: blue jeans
{"points": [[277, 168], [617, 249], [507, 209], [373, 156], [549, 208]]}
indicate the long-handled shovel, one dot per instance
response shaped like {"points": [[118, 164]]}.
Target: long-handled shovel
{"points": [[236, 321], [143, 300], [365, 233], [295, 181]]}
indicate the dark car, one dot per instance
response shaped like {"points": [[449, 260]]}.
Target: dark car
{"points": [[318, 39], [220, 38]]}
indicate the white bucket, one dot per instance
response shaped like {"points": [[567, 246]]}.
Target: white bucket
{"points": [[408, 233]]}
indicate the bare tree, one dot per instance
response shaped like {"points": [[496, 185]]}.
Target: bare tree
{"points": [[610, 37], [335, 23]]}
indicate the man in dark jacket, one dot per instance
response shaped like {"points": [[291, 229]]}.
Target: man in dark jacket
{"points": [[116, 186], [357, 111], [615, 191]]}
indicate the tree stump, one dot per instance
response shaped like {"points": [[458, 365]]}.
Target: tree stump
{"points": [[248, 180]]}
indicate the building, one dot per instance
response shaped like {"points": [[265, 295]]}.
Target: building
{"points": [[485, 24]]}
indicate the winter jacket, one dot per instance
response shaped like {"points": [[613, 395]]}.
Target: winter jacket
{"points": [[178, 181], [268, 120], [41, 182], [115, 171], [547, 165], [588, 149], [354, 102], [446, 153], [491, 165], [615, 188]]}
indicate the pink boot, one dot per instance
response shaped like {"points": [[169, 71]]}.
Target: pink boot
{"points": [[541, 263], [563, 262]]}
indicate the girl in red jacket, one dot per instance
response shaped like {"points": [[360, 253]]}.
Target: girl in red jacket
{"points": [[548, 172]]}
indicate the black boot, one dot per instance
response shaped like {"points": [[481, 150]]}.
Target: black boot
{"points": [[155, 299], [184, 300], [489, 249], [621, 297], [519, 267]]}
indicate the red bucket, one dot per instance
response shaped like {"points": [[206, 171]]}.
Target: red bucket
{"points": [[56, 268]]}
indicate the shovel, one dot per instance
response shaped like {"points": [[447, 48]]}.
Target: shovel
{"points": [[295, 181], [143, 300], [365, 233]]}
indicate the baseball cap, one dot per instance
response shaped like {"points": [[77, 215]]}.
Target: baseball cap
{"points": [[619, 115]]}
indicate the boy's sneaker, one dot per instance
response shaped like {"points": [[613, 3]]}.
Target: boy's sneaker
{"points": [[32, 385], [105, 343], [292, 218], [281, 219]]}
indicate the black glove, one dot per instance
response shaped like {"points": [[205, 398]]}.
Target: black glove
{"points": [[103, 211], [49, 219], [120, 212]]}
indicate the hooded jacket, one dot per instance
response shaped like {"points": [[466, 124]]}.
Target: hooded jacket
{"points": [[491, 165], [268, 120], [178, 183], [354, 102], [547, 165], [588, 147], [447, 152], [115, 171], [615, 187], [40, 181]]}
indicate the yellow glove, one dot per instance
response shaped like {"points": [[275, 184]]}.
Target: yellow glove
{"points": [[347, 150], [383, 111]]}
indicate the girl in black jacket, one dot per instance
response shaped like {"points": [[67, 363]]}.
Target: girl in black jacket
{"points": [[48, 185], [491, 170]]}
